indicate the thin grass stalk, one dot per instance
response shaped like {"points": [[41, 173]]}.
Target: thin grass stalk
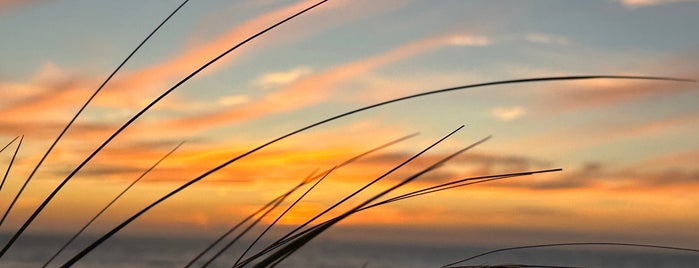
{"points": [[9, 167], [308, 180], [481, 179], [7, 172], [253, 224], [459, 183], [70, 123], [130, 121], [691, 250], [75, 236], [282, 215], [351, 195], [518, 266], [301, 241], [8, 144], [195, 259], [324, 121]]}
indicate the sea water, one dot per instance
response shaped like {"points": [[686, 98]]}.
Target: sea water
{"points": [[147, 252]]}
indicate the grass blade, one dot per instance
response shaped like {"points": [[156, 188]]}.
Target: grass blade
{"points": [[517, 266], [459, 183], [445, 186], [9, 167], [324, 121], [298, 243], [282, 215], [130, 121], [310, 179], [110, 204], [270, 203], [247, 229], [70, 123], [8, 144], [7, 172], [573, 244]]}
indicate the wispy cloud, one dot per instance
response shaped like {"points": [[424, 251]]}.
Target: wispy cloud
{"points": [[312, 89], [275, 79], [642, 3], [508, 113], [544, 38]]}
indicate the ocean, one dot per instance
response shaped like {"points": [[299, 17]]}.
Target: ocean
{"points": [[140, 252]]}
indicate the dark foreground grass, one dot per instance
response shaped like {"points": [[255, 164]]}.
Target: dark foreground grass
{"points": [[275, 253]]}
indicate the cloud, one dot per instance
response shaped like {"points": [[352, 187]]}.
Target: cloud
{"points": [[508, 113], [469, 40], [275, 79], [315, 88], [543, 38], [8, 4], [643, 3], [233, 100]]}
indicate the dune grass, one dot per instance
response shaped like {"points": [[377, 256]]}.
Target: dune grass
{"points": [[274, 253]]}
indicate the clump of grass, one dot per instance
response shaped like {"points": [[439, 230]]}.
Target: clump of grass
{"points": [[276, 252]]}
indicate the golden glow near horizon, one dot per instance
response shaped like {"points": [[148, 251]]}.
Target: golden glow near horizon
{"points": [[628, 148]]}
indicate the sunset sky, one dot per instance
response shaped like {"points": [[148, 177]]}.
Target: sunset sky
{"points": [[628, 148]]}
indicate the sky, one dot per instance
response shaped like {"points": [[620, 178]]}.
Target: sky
{"points": [[628, 148]]}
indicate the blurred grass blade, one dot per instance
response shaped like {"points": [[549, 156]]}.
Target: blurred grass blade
{"points": [[282, 215], [8, 144], [7, 172], [270, 203], [70, 123], [308, 180], [445, 186], [129, 122], [9, 167], [299, 242], [234, 159], [253, 224], [463, 182], [110, 204], [573, 244], [518, 266]]}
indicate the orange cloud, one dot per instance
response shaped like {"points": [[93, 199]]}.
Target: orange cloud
{"points": [[316, 88]]}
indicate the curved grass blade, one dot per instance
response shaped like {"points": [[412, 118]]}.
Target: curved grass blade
{"points": [[270, 203], [8, 144], [310, 179], [573, 244], [110, 204], [274, 202], [282, 215], [301, 241], [324, 121], [350, 196], [9, 167], [445, 186], [70, 123], [247, 229], [459, 183], [130, 121], [517, 266]]}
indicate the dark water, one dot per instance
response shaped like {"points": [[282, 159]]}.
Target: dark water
{"points": [[32, 251]]}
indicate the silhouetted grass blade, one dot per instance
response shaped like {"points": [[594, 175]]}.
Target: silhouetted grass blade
{"points": [[573, 244], [8, 144], [70, 123], [110, 203], [299, 242], [136, 116], [282, 215], [7, 171]]}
